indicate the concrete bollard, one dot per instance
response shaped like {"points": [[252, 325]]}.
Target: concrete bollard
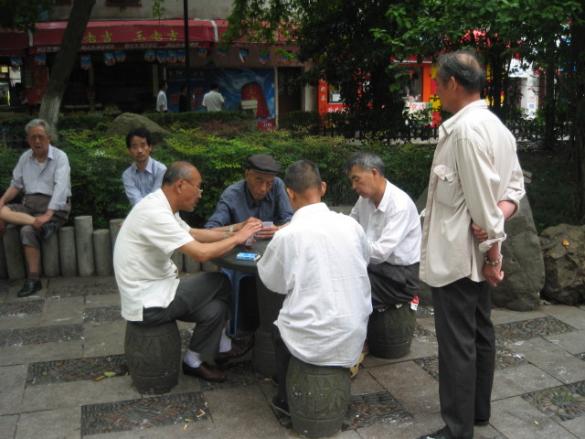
{"points": [[102, 247], [50, 255], [84, 245], [3, 269], [67, 251], [14, 254], [178, 260], [115, 225], [191, 265]]}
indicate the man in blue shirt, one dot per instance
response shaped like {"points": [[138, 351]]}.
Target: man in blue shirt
{"points": [[145, 174], [262, 195]]}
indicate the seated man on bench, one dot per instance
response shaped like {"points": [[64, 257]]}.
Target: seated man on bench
{"points": [[319, 261]]}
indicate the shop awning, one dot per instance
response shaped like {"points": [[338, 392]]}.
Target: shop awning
{"points": [[129, 34], [13, 43]]}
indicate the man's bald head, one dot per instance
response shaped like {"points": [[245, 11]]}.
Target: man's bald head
{"points": [[178, 171], [464, 66]]}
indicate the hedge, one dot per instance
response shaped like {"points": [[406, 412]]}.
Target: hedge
{"points": [[97, 163]]}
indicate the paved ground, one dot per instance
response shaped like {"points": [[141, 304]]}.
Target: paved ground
{"points": [[62, 375]]}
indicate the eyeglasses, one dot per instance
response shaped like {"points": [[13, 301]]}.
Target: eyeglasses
{"points": [[193, 186]]}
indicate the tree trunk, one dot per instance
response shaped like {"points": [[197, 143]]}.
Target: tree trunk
{"points": [[61, 70]]}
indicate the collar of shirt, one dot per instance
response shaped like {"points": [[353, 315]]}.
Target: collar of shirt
{"points": [[50, 153], [448, 125], [309, 210], [148, 169], [384, 202]]}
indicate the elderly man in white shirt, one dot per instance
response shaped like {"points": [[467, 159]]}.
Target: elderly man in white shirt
{"points": [[319, 261], [475, 183], [150, 290], [392, 225]]}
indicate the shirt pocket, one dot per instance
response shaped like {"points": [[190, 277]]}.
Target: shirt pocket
{"points": [[448, 191]]}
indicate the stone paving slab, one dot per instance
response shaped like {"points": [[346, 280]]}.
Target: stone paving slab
{"points": [[20, 309], [81, 286], [102, 300], [575, 426], [516, 381], [50, 424], [102, 339], [8, 425], [371, 408], [552, 359], [526, 329], [571, 315], [43, 352], [572, 342], [12, 381], [102, 314], [565, 403], [518, 419], [502, 315], [39, 335]]}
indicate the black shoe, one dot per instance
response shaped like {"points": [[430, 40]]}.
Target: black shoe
{"points": [[30, 287], [280, 406], [443, 433], [239, 349], [481, 422], [48, 229], [205, 372]]}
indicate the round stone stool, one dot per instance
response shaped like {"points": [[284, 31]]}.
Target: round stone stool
{"points": [[390, 331], [153, 354], [318, 397]]}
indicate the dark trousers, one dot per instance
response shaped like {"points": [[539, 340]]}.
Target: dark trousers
{"points": [[282, 356], [467, 354], [203, 299], [393, 284]]}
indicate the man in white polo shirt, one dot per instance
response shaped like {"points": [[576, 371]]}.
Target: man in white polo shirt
{"points": [[151, 293], [319, 261]]}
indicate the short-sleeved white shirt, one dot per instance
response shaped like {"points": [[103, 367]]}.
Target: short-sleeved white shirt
{"points": [[320, 262], [145, 274]]}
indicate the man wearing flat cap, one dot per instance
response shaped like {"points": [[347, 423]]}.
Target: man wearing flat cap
{"points": [[260, 194]]}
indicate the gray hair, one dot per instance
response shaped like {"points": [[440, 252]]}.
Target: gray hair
{"points": [[302, 175], [464, 66], [39, 123], [365, 160], [177, 171]]}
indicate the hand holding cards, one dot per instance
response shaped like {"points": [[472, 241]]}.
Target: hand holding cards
{"points": [[267, 230]]}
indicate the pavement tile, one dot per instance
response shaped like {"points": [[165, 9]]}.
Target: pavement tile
{"points": [[525, 329], [515, 381], [77, 369], [12, 379], [101, 339], [63, 310], [239, 374], [39, 335], [502, 315], [102, 300], [81, 286], [573, 342], [232, 409], [518, 419], [571, 315], [364, 382], [8, 426], [576, 426], [376, 407], [74, 394], [426, 323], [49, 424], [18, 309], [144, 413], [409, 429], [563, 402], [100, 314], [416, 390], [552, 359], [42, 352]]}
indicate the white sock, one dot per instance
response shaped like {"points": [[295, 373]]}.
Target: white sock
{"points": [[225, 344], [192, 359]]}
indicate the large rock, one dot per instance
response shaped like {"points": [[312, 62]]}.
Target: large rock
{"points": [[564, 259], [129, 121], [523, 263]]}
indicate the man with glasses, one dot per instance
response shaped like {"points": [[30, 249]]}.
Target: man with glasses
{"points": [[151, 292]]}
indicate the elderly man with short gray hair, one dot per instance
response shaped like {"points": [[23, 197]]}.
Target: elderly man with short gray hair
{"points": [[42, 174]]}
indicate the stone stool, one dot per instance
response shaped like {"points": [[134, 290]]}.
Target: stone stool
{"points": [[318, 397], [390, 331], [153, 354]]}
